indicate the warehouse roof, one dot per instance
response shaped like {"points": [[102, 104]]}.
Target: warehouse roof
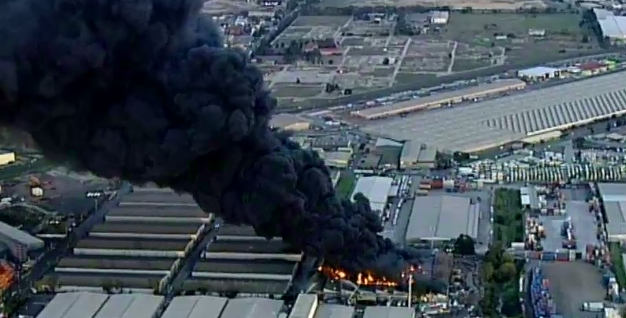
{"points": [[411, 150], [130, 306], [459, 93], [614, 200], [494, 122], [528, 196], [384, 142], [375, 189], [252, 308], [537, 71], [388, 312], [442, 217], [286, 120], [195, 307], [73, 305], [334, 311], [20, 237], [305, 303], [613, 26]]}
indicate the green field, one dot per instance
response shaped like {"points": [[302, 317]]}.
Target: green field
{"points": [[346, 184], [508, 217], [618, 264], [487, 24]]}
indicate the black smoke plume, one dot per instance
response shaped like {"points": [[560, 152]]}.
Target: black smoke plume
{"points": [[145, 90]]}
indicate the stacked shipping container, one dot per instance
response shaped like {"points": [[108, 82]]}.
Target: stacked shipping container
{"points": [[541, 300]]}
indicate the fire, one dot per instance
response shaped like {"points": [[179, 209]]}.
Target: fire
{"points": [[365, 278]]}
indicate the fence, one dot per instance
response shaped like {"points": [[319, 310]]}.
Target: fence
{"points": [[560, 256]]}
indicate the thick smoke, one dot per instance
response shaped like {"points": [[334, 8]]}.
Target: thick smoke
{"points": [[145, 90]]}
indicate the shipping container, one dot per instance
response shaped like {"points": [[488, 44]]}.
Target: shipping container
{"points": [[549, 256], [437, 184], [562, 257], [448, 183], [572, 256]]}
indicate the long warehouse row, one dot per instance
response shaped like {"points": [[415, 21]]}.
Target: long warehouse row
{"points": [[141, 239], [93, 305]]}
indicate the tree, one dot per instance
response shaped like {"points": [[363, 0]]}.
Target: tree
{"points": [[464, 245], [506, 272], [488, 272], [107, 286]]}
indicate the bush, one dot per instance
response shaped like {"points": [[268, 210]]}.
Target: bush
{"points": [[618, 264]]}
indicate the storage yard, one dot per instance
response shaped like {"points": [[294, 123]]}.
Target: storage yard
{"points": [[527, 116], [142, 238]]}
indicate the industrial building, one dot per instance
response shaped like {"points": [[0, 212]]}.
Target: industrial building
{"points": [[376, 189], [532, 116], [441, 99], [336, 159], [290, 122], [417, 155], [92, 305], [442, 218], [613, 196], [389, 151], [6, 157], [340, 142], [439, 17], [539, 73], [18, 242], [612, 27], [529, 198]]}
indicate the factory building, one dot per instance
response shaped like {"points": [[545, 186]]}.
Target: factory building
{"points": [[19, 243], [438, 100], [612, 27], [289, 122], [333, 143], [442, 218], [376, 189], [336, 159], [98, 305], [389, 151], [307, 306], [304, 307], [439, 17], [529, 198], [613, 197], [417, 155], [6, 157], [539, 73]]}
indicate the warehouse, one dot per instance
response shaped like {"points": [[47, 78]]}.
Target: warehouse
{"points": [[539, 73], [415, 154], [611, 26], [336, 159], [529, 198], [441, 99], [613, 197], [6, 157], [376, 189], [92, 305], [195, 307], [334, 311], [389, 152], [492, 123], [442, 218], [389, 312], [304, 307], [290, 122], [18, 241]]}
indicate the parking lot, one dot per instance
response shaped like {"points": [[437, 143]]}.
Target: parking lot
{"points": [[573, 283]]}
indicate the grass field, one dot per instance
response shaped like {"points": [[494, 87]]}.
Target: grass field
{"points": [[474, 24], [618, 261], [345, 184], [508, 220]]}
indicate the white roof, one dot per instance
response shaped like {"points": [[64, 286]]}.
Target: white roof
{"points": [[498, 121], [20, 237], [334, 311], [614, 199], [388, 312], [376, 189], [442, 217], [195, 307], [537, 71], [613, 26], [252, 308]]}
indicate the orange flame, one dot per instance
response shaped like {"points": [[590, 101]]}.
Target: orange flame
{"points": [[364, 279]]}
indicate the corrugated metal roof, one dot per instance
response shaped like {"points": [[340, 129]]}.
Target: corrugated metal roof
{"points": [[130, 306], [528, 196], [411, 151], [305, 303], [537, 71], [195, 307], [17, 236], [384, 142], [493, 122], [74, 305], [502, 84], [442, 217], [612, 192], [86, 305], [334, 311], [252, 308], [389, 312], [613, 26], [375, 189]]}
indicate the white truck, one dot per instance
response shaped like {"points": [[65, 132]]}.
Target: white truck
{"points": [[593, 306]]}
